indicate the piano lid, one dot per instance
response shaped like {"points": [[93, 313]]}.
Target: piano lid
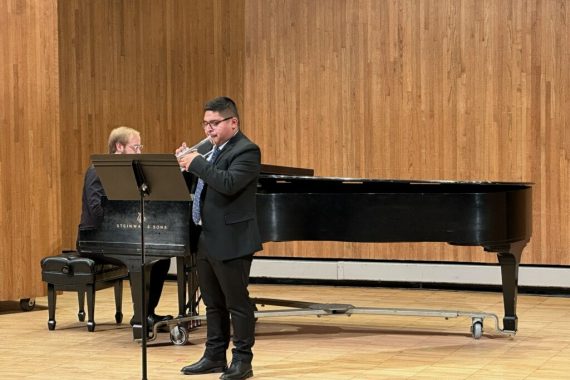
{"points": [[288, 183], [285, 174], [285, 170]]}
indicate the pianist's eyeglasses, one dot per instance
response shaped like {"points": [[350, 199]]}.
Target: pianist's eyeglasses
{"points": [[136, 147], [214, 123]]}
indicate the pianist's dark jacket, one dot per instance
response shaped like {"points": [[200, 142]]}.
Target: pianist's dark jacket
{"points": [[93, 201]]}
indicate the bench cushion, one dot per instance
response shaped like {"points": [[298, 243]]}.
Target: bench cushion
{"points": [[67, 269]]}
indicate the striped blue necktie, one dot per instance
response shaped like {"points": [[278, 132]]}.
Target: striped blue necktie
{"points": [[196, 205]]}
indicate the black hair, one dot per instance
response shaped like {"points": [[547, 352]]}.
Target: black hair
{"points": [[224, 105]]}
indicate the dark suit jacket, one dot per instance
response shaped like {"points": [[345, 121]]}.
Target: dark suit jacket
{"points": [[229, 217], [92, 201]]}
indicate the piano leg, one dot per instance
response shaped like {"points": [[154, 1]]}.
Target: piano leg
{"points": [[509, 258], [181, 281], [193, 290]]}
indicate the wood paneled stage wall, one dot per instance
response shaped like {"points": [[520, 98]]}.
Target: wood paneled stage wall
{"points": [[30, 200], [146, 64], [453, 90]]}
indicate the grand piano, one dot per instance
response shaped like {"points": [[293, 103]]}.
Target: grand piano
{"points": [[292, 204], [167, 235]]}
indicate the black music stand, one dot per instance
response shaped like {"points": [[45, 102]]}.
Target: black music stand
{"points": [[152, 177]]}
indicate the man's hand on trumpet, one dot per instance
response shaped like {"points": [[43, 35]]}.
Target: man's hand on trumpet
{"points": [[185, 158]]}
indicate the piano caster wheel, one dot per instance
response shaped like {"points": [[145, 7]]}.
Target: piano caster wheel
{"points": [[81, 316], [477, 328], [118, 317], [90, 326], [27, 304], [179, 335], [51, 325]]}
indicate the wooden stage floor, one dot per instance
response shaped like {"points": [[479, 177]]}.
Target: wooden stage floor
{"points": [[302, 347]]}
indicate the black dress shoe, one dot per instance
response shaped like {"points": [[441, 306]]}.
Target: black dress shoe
{"points": [[238, 370], [153, 319], [205, 365]]}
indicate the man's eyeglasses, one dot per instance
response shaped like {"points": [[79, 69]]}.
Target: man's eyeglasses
{"points": [[214, 123], [136, 147]]}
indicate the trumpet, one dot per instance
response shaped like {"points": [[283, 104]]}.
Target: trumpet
{"points": [[194, 148]]}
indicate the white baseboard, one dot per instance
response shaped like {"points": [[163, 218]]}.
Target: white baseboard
{"points": [[472, 274], [393, 272]]}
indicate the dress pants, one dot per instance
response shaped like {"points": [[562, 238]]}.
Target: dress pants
{"points": [[223, 286], [158, 274]]}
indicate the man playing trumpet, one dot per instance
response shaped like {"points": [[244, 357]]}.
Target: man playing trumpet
{"points": [[227, 165]]}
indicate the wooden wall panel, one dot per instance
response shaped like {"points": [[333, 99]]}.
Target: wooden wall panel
{"points": [[446, 89], [147, 64], [441, 89], [30, 226]]}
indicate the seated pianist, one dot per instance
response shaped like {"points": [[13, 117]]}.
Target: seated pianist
{"points": [[122, 140]]}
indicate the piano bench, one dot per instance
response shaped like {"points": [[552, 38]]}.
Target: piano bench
{"points": [[69, 272]]}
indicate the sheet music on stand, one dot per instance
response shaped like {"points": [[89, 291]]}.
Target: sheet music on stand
{"points": [[143, 177]]}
